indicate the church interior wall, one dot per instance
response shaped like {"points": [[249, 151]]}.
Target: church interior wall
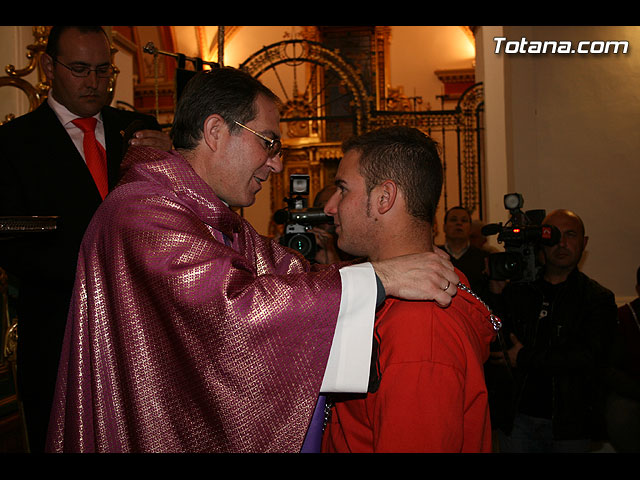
{"points": [[574, 142]]}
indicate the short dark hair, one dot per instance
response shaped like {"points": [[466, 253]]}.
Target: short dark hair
{"points": [[457, 207], [226, 91], [57, 30], [409, 158]]}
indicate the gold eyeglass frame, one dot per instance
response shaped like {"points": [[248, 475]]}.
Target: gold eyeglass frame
{"points": [[274, 145]]}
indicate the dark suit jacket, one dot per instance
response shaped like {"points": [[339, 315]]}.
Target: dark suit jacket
{"points": [[42, 173]]}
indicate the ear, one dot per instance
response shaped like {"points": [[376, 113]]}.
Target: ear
{"points": [[386, 196], [47, 66], [213, 128]]}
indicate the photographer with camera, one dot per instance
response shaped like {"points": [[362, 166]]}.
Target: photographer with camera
{"points": [[544, 384], [309, 231], [326, 252]]}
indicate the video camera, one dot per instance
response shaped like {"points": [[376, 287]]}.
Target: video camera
{"points": [[522, 235], [298, 219]]}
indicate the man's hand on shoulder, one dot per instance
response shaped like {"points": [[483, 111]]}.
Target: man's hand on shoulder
{"points": [[420, 276], [151, 138]]}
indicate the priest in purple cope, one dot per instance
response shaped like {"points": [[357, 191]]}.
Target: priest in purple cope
{"points": [[190, 332]]}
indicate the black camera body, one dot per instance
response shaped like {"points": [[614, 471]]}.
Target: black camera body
{"points": [[298, 219], [522, 236]]}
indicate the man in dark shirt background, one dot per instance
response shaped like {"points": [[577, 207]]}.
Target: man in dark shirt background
{"points": [[467, 258]]}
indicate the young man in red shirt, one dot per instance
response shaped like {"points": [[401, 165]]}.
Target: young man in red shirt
{"points": [[427, 391]]}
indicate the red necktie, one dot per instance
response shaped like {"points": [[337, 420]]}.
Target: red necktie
{"points": [[94, 154]]}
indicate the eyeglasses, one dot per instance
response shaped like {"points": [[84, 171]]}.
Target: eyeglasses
{"points": [[274, 146], [82, 71]]}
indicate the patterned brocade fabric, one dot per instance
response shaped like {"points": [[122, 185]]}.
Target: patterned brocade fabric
{"points": [[176, 342]]}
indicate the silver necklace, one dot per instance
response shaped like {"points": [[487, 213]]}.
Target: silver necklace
{"points": [[495, 321]]}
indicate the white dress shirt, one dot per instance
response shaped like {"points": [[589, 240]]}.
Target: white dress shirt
{"points": [[66, 119]]}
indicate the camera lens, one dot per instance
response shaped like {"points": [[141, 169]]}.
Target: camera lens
{"points": [[505, 266], [302, 243], [299, 186], [512, 265]]}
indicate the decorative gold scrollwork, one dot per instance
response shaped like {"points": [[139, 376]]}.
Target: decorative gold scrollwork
{"points": [[469, 106], [9, 326], [293, 52], [10, 343], [35, 94]]}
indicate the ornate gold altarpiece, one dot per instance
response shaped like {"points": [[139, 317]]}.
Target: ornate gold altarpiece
{"points": [[354, 71]]}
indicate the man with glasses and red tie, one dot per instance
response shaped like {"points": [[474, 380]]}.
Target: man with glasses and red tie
{"points": [[189, 331], [60, 160]]}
